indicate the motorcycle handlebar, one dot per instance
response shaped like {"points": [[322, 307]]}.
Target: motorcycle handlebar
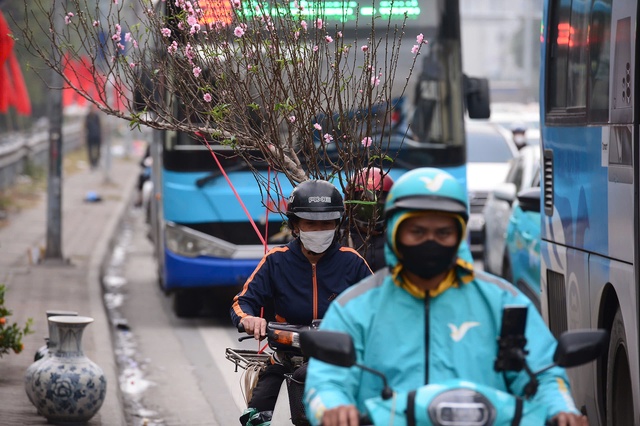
{"points": [[365, 420], [242, 330]]}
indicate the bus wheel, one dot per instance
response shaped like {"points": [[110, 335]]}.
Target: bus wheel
{"points": [[186, 304], [619, 393]]}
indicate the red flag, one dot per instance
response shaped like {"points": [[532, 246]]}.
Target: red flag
{"points": [[20, 99], [13, 90], [6, 46]]}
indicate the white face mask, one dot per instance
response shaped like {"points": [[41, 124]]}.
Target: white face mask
{"points": [[317, 241]]}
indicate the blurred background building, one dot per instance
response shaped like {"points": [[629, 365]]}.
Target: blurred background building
{"points": [[501, 41]]}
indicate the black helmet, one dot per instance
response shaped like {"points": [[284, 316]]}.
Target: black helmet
{"points": [[315, 200]]}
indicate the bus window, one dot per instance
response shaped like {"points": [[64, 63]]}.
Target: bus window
{"points": [[559, 45], [599, 47], [577, 65]]}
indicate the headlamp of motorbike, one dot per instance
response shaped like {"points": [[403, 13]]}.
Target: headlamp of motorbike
{"points": [[191, 243], [461, 407]]}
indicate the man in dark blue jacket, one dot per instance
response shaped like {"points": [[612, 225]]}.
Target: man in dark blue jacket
{"points": [[297, 281]]}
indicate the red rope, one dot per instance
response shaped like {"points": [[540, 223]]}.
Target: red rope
{"points": [[266, 215], [215, 157]]}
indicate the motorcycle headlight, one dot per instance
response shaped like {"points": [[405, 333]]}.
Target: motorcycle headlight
{"points": [[462, 407], [190, 243]]}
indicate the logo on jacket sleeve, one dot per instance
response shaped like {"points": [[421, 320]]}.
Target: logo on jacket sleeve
{"points": [[457, 333]]}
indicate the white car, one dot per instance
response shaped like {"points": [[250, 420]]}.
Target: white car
{"points": [[513, 115], [489, 150], [522, 175]]}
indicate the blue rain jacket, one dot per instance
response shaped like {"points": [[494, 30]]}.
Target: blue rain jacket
{"points": [[297, 290], [417, 340]]}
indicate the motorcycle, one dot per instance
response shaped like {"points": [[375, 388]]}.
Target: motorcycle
{"points": [[283, 339], [459, 402], [146, 191]]}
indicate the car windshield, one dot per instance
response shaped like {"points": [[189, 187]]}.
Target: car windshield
{"points": [[487, 146]]}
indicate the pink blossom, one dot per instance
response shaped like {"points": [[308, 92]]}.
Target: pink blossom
{"points": [[196, 71], [292, 119], [327, 138], [96, 23], [364, 48], [207, 97], [115, 37], [420, 38], [315, 48], [375, 81], [135, 44], [127, 37], [366, 141], [303, 24], [339, 34], [67, 20], [319, 23], [132, 65], [237, 4], [328, 39], [415, 48], [166, 32], [238, 32], [115, 1], [296, 35], [317, 127], [173, 48], [191, 20]]}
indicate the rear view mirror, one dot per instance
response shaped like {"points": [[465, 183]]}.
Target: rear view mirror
{"points": [[329, 346], [577, 347], [506, 191], [529, 199], [476, 94]]}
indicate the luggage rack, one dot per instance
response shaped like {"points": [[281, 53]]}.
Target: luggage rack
{"points": [[245, 358]]}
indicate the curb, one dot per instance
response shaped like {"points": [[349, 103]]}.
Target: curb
{"points": [[112, 411]]}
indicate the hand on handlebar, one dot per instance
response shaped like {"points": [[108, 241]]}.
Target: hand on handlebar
{"points": [[254, 325], [568, 419], [344, 415]]}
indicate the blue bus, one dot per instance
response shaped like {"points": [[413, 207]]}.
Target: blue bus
{"points": [[590, 194], [206, 241]]}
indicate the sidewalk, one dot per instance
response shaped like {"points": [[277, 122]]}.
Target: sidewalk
{"points": [[87, 233]]}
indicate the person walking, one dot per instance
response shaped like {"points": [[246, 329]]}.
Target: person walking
{"points": [[93, 128]]}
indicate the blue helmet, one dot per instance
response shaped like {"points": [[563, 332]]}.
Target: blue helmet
{"points": [[422, 189]]}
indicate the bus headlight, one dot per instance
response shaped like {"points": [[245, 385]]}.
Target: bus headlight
{"points": [[190, 243]]}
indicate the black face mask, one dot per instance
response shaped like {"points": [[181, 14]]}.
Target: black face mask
{"points": [[427, 259]]}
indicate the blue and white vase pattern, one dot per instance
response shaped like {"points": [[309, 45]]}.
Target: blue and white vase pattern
{"points": [[67, 386], [45, 351]]}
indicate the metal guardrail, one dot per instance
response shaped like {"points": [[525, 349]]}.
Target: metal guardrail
{"points": [[20, 150]]}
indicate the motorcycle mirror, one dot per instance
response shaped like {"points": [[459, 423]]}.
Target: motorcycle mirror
{"points": [[577, 347], [329, 346]]}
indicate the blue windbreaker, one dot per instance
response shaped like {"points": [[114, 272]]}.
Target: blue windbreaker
{"points": [[297, 290], [416, 340]]}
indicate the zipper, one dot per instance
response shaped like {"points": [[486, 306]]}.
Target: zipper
{"points": [[315, 291], [427, 303]]}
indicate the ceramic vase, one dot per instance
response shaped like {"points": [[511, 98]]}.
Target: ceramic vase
{"points": [[68, 388], [51, 343]]}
